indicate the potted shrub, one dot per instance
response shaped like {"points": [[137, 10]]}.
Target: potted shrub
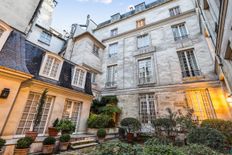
{"points": [[131, 125], [101, 134], [23, 145], [2, 143], [64, 141], [48, 145], [66, 126], [52, 131], [39, 112]]}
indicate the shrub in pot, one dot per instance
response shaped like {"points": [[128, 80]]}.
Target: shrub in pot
{"points": [[101, 134], [64, 142], [23, 145], [2, 143], [131, 125], [52, 131], [48, 145], [206, 136], [66, 126]]}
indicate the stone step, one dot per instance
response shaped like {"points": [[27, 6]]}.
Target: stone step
{"points": [[83, 145], [83, 141]]}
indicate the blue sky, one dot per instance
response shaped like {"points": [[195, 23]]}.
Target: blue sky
{"points": [[68, 12]]}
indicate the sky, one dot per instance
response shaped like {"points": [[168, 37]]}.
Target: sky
{"points": [[68, 12]]}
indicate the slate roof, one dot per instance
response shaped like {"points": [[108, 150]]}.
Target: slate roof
{"points": [[22, 55]]}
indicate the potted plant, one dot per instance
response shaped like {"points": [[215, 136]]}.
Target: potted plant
{"points": [[64, 141], [101, 134], [2, 143], [131, 125], [52, 131], [22, 146], [66, 126], [39, 112], [48, 145]]}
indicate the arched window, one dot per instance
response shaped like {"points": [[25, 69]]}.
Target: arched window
{"points": [[51, 66]]}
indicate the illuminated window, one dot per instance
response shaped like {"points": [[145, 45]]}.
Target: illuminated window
{"points": [[51, 67], [174, 11], [72, 111], [179, 32], [147, 108], [188, 63], [26, 122], [113, 49], [143, 41], [79, 77], [111, 76], [45, 37], [140, 23], [145, 73], [200, 102]]}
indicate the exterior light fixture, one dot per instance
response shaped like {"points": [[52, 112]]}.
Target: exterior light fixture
{"points": [[229, 99], [5, 93]]}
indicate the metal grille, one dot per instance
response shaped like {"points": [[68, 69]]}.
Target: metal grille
{"points": [[26, 122], [147, 108], [200, 102]]}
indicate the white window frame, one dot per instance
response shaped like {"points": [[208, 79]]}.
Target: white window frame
{"points": [[93, 77], [151, 75], [180, 35], [113, 51], [114, 32], [45, 40], [145, 42], [111, 80], [45, 58], [174, 11], [6, 32], [80, 106], [82, 85]]}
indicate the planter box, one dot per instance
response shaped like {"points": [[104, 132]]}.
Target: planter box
{"points": [[108, 131]]}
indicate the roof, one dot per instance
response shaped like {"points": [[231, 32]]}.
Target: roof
{"points": [[133, 12], [24, 56]]}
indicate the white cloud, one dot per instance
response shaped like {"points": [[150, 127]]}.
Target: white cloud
{"points": [[98, 1]]}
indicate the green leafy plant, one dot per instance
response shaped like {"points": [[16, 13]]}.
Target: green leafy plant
{"points": [[131, 124], [109, 100], [110, 110], [24, 143], [55, 123], [39, 111], [66, 126], [49, 141], [2, 143], [101, 133], [65, 138], [158, 141], [221, 125], [100, 121], [185, 122], [196, 149], [206, 136], [161, 150]]}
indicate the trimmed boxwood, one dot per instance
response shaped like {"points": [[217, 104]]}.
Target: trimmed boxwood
{"points": [[24, 143], [49, 141], [101, 133], [131, 124], [65, 138]]}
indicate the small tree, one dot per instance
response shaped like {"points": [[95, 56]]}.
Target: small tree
{"points": [[39, 110]]}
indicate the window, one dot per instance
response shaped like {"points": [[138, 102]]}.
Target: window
{"points": [[113, 49], [45, 38], [188, 64], [26, 121], [115, 17], [114, 32], [174, 11], [111, 76], [79, 77], [96, 50], [147, 108], [72, 111], [140, 23], [93, 78], [179, 32], [143, 41], [200, 102], [228, 54], [140, 7], [51, 67], [145, 73]]}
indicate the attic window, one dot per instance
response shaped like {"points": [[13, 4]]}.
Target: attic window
{"points": [[45, 37], [115, 17], [140, 7]]}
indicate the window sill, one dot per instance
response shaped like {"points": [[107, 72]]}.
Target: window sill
{"points": [[44, 42], [111, 87], [151, 84], [193, 78], [44, 76]]}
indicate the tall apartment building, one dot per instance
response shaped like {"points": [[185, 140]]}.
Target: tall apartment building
{"points": [[155, 57]]}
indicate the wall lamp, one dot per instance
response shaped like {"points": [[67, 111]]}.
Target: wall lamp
{"points": [[5, 93]]}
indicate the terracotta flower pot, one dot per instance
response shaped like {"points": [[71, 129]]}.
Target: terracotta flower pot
{"points": [[101, 140], [52, 131], [63, 146], [130, 137], [21, 151], [48, 149], [31, 134]]}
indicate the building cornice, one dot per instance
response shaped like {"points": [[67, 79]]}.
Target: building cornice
{"points": [[186, 13], [8, 72]]}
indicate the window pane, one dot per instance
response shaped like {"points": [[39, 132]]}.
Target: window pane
{"points": [[145, 73], [179, 31], [143, 41], [113, 49], [147, 108], [111, 75]]}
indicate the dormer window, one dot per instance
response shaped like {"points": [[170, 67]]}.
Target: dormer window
{"points": [[140, 7], [79, 76], [115, 17], [45, 37], [51, 66]]}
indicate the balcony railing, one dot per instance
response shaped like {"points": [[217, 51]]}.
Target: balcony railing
{"points": [[111, 84], [181, 37], [192, 73]]}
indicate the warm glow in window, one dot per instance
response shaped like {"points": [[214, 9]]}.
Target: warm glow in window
{"points": [[140, 23]]}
